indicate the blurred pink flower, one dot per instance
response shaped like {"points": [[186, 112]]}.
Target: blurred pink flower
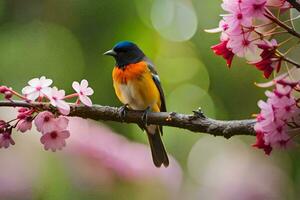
{"points": [[23, 113], [45, 122], [128, 160], [8, 95], [245, 176], [55, 140], [254, 8], [3, 89], [38, 87], [83, 91], [6, 140], [56, 99], [3, 125], [24, 124]]}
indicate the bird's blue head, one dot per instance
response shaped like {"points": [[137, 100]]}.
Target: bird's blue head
{"points": [[126, 53]]}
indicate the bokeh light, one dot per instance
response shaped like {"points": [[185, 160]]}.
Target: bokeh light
{"points": [[174, 20]]}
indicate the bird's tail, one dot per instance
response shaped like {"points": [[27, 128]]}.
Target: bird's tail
{"points": [[159, 154]]}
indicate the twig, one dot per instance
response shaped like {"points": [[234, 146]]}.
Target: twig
{"points": [[277, 21], [196, 122], [291, 61], [295, 4]]}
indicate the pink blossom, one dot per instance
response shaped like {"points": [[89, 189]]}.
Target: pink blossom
{"points": [[6, 140], [236, 17], [24, 113], [254, 8], [38, 87], [245, 45], [276, 135], [24, 124], [120, 157], [45, 122], [276, 113], [56, 99], [8, 95], [267, 112], [230, 5], [3, 89], [83, 91], [223, 26], [55, 140]]}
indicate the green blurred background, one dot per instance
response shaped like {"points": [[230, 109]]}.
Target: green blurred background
{"points": [[64, 40]]}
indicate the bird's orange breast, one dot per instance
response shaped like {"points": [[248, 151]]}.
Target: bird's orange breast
{"points": [[130, 72], [134, 86]]}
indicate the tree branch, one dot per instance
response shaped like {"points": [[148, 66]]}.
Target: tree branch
{"points": [[295, 4], [196, 122], [277, 21]]}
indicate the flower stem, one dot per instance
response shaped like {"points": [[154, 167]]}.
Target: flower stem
{"points": [[270, 16], [70, 96], [291, 61], [295, 4], [18, 94]]}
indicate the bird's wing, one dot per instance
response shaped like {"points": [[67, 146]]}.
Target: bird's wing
{"points": [[156, 80]]}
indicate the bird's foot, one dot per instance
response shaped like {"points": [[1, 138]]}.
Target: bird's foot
{"points": [[122, 111], [145, 115]]}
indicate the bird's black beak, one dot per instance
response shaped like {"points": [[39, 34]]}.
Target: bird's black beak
{"points": [[110, 53]]}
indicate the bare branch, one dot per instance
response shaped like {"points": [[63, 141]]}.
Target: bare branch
{"points": [[277, 21], [196, 122], [295, 4]]}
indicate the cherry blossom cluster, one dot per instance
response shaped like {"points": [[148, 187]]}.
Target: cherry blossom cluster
{"points": [[246, 30], [52, 126], [279, 118]]}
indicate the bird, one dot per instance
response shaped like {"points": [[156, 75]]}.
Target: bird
{"points": [[138, 87]]}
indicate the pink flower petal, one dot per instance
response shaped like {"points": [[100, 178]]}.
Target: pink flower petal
{"points": [[45, 82], [84, 84], [76, 86], [55, 140], [62, 123], [89, 91], [86, 100], [63, 105], [28, 90], [34, 82], [64, 112], [33, 96]]}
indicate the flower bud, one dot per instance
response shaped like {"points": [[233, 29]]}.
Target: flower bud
{"points": [[3, 89], [8, 95], [2, 126], [21, 110], [22, 116]]}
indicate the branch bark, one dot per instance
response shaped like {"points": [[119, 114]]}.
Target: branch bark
{"points": [[295, 4], [196, 122], [277, 21]]}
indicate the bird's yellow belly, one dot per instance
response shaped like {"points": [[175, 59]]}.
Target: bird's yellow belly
{"points": [[138, 94], [134, 86]]}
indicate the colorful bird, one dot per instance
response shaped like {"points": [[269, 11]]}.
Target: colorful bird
{"points": [[138, 87]]}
